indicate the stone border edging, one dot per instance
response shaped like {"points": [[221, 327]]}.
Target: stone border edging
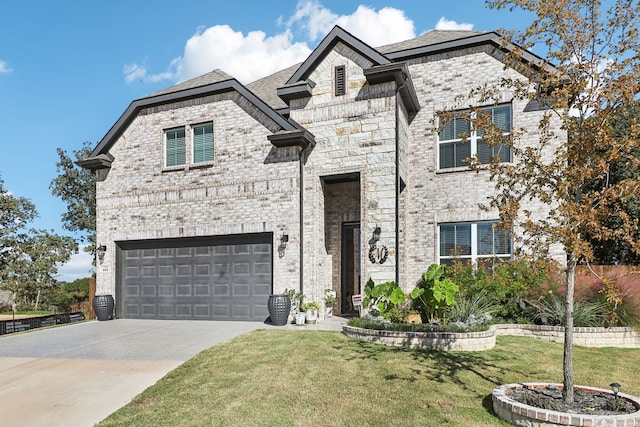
{"points": [[477, 341], [520, 414]]}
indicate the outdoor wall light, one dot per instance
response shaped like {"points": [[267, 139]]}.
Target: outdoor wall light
{"points": [[376, 234], [283, 245], [615, 387], [100, 250]]}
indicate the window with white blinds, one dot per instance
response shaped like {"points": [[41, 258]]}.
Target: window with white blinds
{"points": [[472, 242], [203, 143], [175, 147], [458, 141]]}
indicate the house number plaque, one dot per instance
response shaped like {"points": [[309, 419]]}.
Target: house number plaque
{"points": [[378, 253]]}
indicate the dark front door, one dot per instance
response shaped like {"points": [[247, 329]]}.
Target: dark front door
{"points": [[350, 266]]}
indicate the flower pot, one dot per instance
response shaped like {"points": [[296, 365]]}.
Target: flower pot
{"points": [[279, 306], [311, 316], [300, 318], [103, 306], [329, 311]]}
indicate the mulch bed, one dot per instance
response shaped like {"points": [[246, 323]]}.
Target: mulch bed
{"points": [[585, 402]]}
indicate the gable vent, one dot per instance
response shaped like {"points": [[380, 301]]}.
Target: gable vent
{"points": [[340, 80]]}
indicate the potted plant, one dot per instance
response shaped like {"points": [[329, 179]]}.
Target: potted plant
{"points": [[296, 298], [311, 311], [329, 301]]}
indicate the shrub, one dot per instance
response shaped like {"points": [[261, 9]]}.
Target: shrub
{"points": [[472, 310], [585, 313], [512, 286]]}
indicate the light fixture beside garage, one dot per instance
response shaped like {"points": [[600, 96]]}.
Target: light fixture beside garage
{"points": [[283, 245], [100, 251]]}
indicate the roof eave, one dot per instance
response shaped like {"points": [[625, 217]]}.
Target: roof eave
{"points": [[101, 161], [292, 138], [491, 38], [397, 72], [297, 90]]}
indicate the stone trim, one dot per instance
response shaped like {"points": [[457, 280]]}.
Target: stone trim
{"points": [[485, 340]]}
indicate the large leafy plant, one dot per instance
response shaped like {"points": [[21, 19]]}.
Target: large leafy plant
{"points": [[383, 297], [434, 294]]}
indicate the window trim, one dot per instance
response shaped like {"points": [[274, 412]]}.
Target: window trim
{"points": [[472, 139]]}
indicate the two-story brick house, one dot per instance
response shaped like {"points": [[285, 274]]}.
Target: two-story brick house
{"points": [[212, 194]]}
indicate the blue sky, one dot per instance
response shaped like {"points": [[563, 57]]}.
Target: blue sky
{"points": [[69, 69]]}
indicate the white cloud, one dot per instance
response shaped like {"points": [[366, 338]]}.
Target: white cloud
{"points": [[446, 24], [388, 25], [134, 72], [246, 58], [315, 19], [251, 56], [79, 266], [4, 68]]}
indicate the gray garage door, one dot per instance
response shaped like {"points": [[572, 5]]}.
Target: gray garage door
{"points": [[221, 278]]}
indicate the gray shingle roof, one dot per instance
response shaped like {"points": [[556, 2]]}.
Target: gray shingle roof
{"points": [[265, 88], [427, 39], [214, 76]]}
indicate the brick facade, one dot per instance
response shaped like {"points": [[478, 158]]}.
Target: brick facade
{"points": [[373, 160]]}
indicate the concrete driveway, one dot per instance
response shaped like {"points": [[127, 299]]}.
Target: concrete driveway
{"points": [[76, 375]]}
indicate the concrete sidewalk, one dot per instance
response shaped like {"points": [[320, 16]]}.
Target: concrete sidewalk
{"points": [[78, 374]]}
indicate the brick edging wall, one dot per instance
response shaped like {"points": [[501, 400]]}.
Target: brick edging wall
{"points": [[521, 414], [478, 341]]}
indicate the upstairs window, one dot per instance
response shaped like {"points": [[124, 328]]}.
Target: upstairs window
{"points": [[175, 147], [340, 81], [458, 140], [203, 143], [473, 242]]}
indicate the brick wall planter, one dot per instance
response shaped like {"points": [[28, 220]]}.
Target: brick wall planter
{"points": [[477, 341], [446, 341], [524, 415]]}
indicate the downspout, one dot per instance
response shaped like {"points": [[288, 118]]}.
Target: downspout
{"points": [[301, 168], [397, 230]]}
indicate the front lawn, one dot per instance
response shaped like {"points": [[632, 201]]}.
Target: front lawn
{"points": [[317, 378]]}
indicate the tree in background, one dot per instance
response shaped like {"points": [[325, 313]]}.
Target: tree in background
{"points": [[615, 251], [69, 293], [76, 186], [28, 257], [596, 73]]}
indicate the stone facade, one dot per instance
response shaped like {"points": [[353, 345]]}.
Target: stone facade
{"points": [[368, 157]]}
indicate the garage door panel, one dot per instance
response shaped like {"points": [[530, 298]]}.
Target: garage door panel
{"points": [[166, 311], [183, 291], [202, 290], [131, 310], [184, 311], [262, 289], [207, 280], [150, 310]]}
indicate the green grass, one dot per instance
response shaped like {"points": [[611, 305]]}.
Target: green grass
{"points": [[307, 378]]}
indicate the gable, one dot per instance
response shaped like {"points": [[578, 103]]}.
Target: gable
{"points": [[196, 88]]}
